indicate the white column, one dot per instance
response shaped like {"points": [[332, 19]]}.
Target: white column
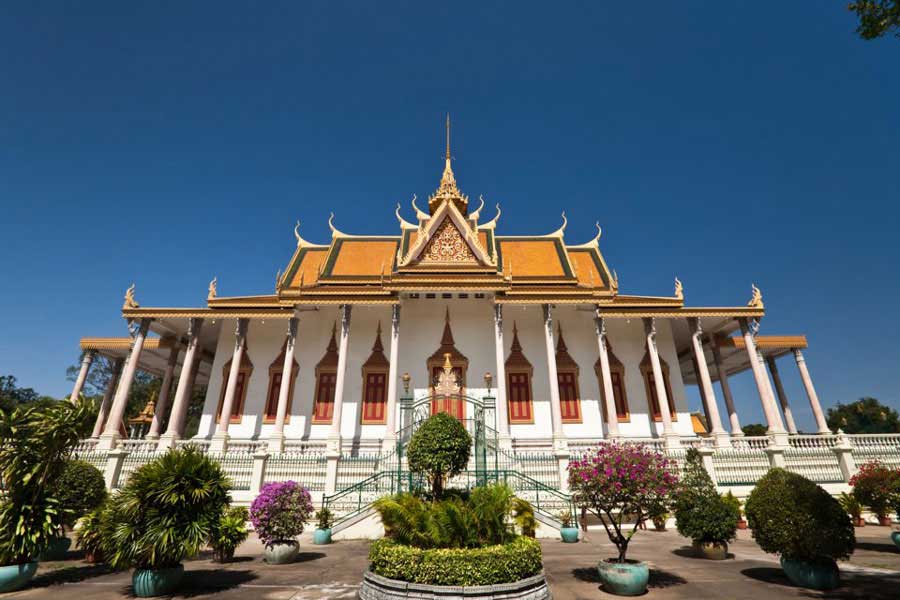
{"points": [[220, 438], [107, 397], [165, 393], [782, 395], [499, 354], [120, 402], [175, 428], [559, 440], [390, 428], [660, 383], [609, 400], [773, 419], [334, 434], [715, 422], [811, 392], [726, 390], [276, 438], [82, 374]]}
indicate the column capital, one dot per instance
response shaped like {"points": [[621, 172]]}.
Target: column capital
{"points": [[650, 328]]}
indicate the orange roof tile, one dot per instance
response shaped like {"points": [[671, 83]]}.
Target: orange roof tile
{"points": [[532, 258], [586, 268], [309, 267], [364, 257]]}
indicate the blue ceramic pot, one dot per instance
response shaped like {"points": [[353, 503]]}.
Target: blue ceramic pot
{"points": [[57, 549], [322, 536], [895, 535], [569, 535], [156, 582], [15, 577], [624, 579], [812, 575]]}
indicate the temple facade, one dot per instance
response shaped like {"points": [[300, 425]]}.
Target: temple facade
{"points": [[534, 322]]}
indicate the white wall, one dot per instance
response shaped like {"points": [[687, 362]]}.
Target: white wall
{"points": [[421, 326]]}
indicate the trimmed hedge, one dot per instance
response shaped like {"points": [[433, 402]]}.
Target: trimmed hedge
{"points": [[79, 489], [490, 565]]}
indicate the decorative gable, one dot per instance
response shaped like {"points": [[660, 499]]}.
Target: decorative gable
{"points": [[447, 240], [448, 246]]}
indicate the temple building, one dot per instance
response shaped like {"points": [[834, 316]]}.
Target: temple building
{"points": [[535, 321]]}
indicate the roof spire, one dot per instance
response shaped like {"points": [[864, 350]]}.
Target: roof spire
{"points": [[447, 190]]}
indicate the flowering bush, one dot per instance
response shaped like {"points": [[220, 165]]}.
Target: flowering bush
{"points": [[280, 511], [876, 486], [616, 481]]}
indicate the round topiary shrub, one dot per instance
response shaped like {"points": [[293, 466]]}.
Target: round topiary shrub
{"points": [[440, 449], [79, 488], [700, 512], [792, 516]]}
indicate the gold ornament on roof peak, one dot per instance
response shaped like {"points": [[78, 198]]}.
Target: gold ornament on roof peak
{"points": [[756, 300], [679, 289], [130, 302], [213, 285], [447, 190]]}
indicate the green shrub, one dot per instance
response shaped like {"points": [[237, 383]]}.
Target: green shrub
{"points": [[483, 518], [34, 444], [792, 516], [851, 505], [877, 486], [166, 512], [324, 519], [700, 512], [490, 565], [88, 533], [439, 449], [79, 488], [229, 533], [523, 516]]}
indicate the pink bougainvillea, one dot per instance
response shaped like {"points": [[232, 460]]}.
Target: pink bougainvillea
{"points": [[280, 511], [621, 483]]}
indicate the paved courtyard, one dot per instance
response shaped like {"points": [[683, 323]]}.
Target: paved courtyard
{"points": [[335, 571]]}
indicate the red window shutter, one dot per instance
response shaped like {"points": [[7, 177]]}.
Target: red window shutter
{"points": [[568, 397]]}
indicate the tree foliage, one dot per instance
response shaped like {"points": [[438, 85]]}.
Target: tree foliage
{"points": [[877, 486], [755, 429], [11, 395], [166, 512], [792, 516], [700, 512], [440, 448], [866, 415], [876, 17], [34, 444], [79, 488]]}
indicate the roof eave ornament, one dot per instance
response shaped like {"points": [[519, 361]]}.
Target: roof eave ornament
{"points": [[562, 229], [213, 288], [493, 222], [679, 289], [421, 216], [756, 300], [404, 224], [474, 215], [130, 302], [300, 241], [334, 230]]}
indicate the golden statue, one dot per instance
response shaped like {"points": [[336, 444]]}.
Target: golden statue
{"points": [[213, 288], [679, 289], [756, 300], [130, 302]]}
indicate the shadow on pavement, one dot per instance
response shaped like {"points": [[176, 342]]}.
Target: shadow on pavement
{"points": [[201, 582], [72, 574], [659, 578], [854, 586], [890, 548], [689, 552]]}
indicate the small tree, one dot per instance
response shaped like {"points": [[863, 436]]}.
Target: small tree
{"points": [[439, 449], [876, 486], [79, 488], [754, 429], [700, 512], [876, 17], [619, 480], [792, 516], [866, 415]]}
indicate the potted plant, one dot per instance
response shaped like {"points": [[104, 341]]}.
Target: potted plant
{"points": [[659, 514], [278, 515], [522, 513], [612, 481], [792, 516], [735, 501], [164, 514], [229, 533], [324, 521], [79, 488], [34, 441], [88, 536], [569, 531], [709, 519], [875, 485], [852, 506]]}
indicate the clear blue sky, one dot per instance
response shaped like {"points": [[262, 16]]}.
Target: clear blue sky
{"points": [[723, 142]]}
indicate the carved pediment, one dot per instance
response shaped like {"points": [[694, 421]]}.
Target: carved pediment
{"points": [[447, 245]]}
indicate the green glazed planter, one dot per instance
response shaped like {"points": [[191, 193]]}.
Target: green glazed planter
{"points": [[569, 535], [156, 582], [895, 535], [814, 576], [322, 537], [624, 579], [15, 577], [57, 550], [282, 553]]}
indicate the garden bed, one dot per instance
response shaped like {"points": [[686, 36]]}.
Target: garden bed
{"points": [[376, 587]]}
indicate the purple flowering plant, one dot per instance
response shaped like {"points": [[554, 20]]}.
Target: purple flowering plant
{"points": [[280, 511], [618, 482]]}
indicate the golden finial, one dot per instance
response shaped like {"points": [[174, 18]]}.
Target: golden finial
{"points": [[130, 302], [615, 280], [448, 136], [756, 300], [679, 289], [277, 279], [212, 288]]}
